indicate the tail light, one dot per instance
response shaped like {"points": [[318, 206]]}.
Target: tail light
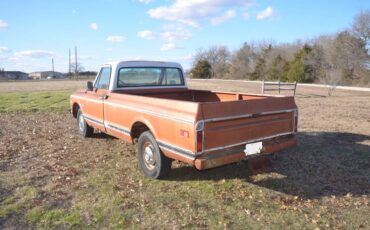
{"points": [[199, 141], [295, 120], [199, 128]]}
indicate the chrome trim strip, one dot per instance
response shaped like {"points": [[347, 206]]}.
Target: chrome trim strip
{"points": [[277, 111], [119, 128], [246, 142], [248, 115], [183, 152], [149, 112], [295, 125], [93, 119]]}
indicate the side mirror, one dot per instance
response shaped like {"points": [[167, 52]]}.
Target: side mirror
{"points": [[90, 86]]}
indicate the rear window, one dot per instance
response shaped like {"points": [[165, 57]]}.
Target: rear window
{"points": [[149, 76]]}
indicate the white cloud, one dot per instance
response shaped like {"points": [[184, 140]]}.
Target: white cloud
{"points": [[94, 26], [116, 38], [3, 25], [228, 15], [178, 34], [74, 11], [168, 46], [266, 13], [193, 12], [145, 1], [34, 53], [146, 34], [4, 49], [109, 49]]}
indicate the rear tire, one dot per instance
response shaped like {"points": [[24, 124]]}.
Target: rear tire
{"points": [[84, 129], [151, 159]]}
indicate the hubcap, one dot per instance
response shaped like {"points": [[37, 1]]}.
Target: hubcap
{"points": [[81, 123], [148, 153]]}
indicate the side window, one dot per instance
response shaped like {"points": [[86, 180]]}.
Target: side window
{"points": [[103, 79], [173, 77]]}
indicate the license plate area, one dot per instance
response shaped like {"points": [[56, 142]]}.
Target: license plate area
{"points": [[253, 148]]}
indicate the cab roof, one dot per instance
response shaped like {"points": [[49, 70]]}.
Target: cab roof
{"points": [[121, 64]]}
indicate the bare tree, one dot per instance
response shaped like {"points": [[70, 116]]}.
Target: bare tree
{"points": [[361, 26], [80, 68], [341, 58], [218, 57], [330, 73], [331, 79], [350, 56], [243, 61]]}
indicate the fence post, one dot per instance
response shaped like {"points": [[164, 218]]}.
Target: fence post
{"points": [[295, 87], [279, 87], [263, 86]]}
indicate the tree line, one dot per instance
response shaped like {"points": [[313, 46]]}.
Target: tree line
{"points": [[341, 58]]}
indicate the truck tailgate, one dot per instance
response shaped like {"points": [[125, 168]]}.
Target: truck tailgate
{"points": [[232, 123]]}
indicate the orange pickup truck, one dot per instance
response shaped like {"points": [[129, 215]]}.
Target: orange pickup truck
{"points": [[149, 103]]}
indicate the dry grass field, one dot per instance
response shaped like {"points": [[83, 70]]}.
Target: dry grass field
{"points": [[50, 177]]}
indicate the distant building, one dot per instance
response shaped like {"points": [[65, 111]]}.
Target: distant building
{"points": [[46, 75], [13, 75]]}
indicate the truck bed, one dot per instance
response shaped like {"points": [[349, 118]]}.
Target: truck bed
{"points": [[233, 118]]}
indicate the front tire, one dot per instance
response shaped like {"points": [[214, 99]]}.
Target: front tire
{"points": [[84, 129], [151, 159]]}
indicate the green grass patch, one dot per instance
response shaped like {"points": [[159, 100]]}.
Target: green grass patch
{"points": [[101, 201], [54, 218], [34, 101], [35, 214], [19, 200]]}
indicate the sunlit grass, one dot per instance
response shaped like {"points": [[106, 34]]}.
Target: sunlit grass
{"points": [[34, 101]]}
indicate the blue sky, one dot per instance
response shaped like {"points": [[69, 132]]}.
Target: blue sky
{"points": [[33, 32]]}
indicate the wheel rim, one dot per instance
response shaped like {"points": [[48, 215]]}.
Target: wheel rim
{"points": [[81, 123], [148, 155]]}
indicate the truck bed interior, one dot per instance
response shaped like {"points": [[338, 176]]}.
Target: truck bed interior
{"points": [[194, 95]]}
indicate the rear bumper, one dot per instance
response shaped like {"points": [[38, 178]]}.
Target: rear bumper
{"points": [[235, 154]]}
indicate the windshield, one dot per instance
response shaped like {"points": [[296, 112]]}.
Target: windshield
{"points": [[149, 76]]}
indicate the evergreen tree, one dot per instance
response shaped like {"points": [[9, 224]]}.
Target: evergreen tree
{"points": [[299, 71], [259, 69], [278, 70], [201, 70]]}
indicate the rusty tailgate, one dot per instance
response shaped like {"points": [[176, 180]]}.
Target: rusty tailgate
{"points": [[235, 122]]}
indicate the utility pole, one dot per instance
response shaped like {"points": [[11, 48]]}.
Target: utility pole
{"points": [[52, 66], [76, 62], [69, 58]]}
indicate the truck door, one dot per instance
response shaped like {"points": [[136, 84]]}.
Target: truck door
{"points": [[94, 111]]}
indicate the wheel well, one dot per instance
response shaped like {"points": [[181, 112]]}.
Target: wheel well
{"points": [[75, 109], [137, 129]]}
